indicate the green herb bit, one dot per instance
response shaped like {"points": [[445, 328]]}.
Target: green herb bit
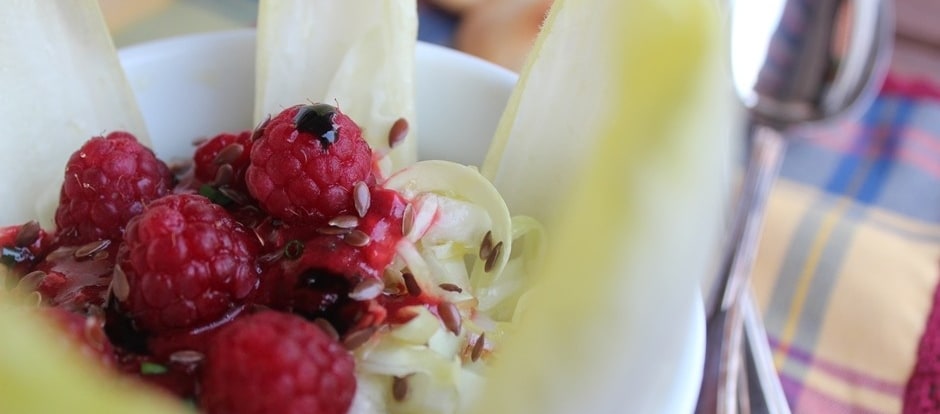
{"points": [[215, 195], [150, 368]]}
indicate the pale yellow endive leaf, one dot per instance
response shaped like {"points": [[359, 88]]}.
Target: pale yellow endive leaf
{"points": [[61, 83], [618, 137], [42, 373]]}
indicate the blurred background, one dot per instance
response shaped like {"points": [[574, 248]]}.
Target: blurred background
{"points": [[498, 30]]}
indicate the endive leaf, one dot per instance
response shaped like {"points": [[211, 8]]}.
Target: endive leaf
{"points": [[40, 373], [618, 137], [358, 54], [61, 84]]}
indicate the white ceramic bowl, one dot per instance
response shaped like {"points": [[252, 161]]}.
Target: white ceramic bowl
{"points": [[195, 86]]}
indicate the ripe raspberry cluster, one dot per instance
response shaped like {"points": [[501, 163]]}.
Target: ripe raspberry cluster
{"points": [[240, 282]]}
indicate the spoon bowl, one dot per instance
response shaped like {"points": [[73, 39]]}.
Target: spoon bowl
{"points": [[800, 61]]}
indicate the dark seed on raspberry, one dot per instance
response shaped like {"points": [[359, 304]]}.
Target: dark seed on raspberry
{"points": [[259, 130], [225, 175], [317, 120], [90, 249], [357, 238], [344, 222], [362, 198], [333, 231], [27, 234], [119, 286], [229, 154]]}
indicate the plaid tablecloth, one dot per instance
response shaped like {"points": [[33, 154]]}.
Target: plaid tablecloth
{"points": [[848, 263], [848, 268]]}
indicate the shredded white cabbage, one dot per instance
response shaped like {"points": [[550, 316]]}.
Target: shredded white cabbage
{"points": [[454, 208]]}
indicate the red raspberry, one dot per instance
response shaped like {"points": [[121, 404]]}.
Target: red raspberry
{"points": [[306, 162], [314, 278], [187, 263], [276, 363], [224, 149], [107, 181], [22, 246]]}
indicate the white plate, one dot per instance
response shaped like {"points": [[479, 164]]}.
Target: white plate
{"points": [[195, 86]]}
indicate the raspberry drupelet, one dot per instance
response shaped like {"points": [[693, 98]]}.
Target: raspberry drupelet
{"points": [[306, 162]]}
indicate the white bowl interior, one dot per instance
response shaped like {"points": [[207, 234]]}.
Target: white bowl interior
{"points": [[197, 86]]}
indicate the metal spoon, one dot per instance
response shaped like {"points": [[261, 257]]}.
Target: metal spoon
{"points": [[794, 62]]}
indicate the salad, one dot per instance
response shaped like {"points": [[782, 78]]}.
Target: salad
{"points": [[412, 277], [406, 283]]}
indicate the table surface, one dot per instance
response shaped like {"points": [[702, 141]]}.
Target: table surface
{"points": [[847, 272]]}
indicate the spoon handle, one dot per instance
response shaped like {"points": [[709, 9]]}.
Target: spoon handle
{"points": [[724, 325], [765, 391]]}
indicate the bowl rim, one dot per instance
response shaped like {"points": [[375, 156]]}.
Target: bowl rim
{"points": [[151, 49]]}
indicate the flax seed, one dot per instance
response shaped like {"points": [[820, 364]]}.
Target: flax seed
{"points": [[362, 198], [398, 132], [357, 238], [229, 154], [27, 234], [367, 290], [344, 222], [450, 315]]}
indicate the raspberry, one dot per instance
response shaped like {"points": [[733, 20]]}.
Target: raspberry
{"points": [[306, 162], [107, 181], [314, 277], [22, 246], [186, 263], [224, 149], [273, 362]]}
